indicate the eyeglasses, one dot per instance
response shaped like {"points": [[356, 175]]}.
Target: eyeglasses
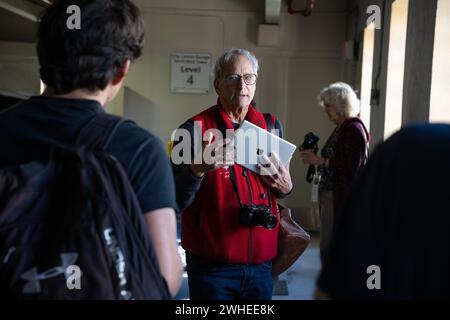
{"points": [[249, 78]]}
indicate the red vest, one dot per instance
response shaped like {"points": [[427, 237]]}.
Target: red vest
{"points": [[210, 226]]}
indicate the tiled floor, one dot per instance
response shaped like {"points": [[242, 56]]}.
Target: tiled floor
{"points": [[297, 283]]}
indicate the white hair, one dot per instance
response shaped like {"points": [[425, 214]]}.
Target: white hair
{"points": [[230, 54], [341, 96]]}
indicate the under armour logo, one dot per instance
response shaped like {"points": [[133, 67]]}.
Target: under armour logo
{"points": [[34, 278]]}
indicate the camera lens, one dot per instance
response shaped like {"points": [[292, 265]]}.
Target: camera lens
{"points": [[265, 218], [257, 216], [310, 141], [271, 221]]}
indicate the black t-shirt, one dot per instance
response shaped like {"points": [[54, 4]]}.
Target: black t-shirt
{"points": [[30, 128]]}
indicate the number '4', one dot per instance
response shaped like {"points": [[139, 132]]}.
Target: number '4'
{"points": [[190, 80]]}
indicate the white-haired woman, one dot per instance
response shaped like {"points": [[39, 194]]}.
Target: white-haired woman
{"points": [[343, 154]]}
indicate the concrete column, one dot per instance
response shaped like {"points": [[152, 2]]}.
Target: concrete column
{"points": [[418, 61]]}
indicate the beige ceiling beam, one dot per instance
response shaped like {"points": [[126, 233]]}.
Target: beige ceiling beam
{"points": [[22, 8]]}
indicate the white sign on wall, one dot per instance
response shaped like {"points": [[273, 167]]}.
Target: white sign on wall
{"points": [[190, 72]]}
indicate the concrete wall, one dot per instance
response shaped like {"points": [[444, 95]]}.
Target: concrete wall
{"points": [[19, 68], [418, 61], [359, 12]]}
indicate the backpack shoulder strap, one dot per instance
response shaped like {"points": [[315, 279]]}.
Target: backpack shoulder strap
{"points": [[97, 133], [270, 121]]}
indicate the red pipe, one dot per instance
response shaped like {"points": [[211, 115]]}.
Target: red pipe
{"points": [[306, 12]]}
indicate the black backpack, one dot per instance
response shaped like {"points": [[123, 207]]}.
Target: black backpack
{"points": [[72, 228]]}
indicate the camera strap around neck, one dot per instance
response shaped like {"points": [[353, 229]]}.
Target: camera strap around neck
{"points": [[233, 182], [222, 128]]}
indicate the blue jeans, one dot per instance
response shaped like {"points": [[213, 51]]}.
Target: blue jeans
{"points": [[221, 281]]}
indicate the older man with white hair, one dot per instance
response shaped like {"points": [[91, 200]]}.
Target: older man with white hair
{"points": [[229, 251]]}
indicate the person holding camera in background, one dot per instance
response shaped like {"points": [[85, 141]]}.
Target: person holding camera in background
{"points": [[229, 214], [343, 154]]}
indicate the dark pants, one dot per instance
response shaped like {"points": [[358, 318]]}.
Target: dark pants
{"points": [[219, 281], [326, 211]]}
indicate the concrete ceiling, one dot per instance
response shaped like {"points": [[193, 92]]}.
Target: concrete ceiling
{"points": [[16, 28], [18, 19]]}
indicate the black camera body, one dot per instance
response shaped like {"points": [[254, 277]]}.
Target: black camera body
{"points": [[252, 215], [310, 141]]}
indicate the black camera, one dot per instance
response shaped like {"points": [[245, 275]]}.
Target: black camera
{"points": [[252, 215], [310, 142]]}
